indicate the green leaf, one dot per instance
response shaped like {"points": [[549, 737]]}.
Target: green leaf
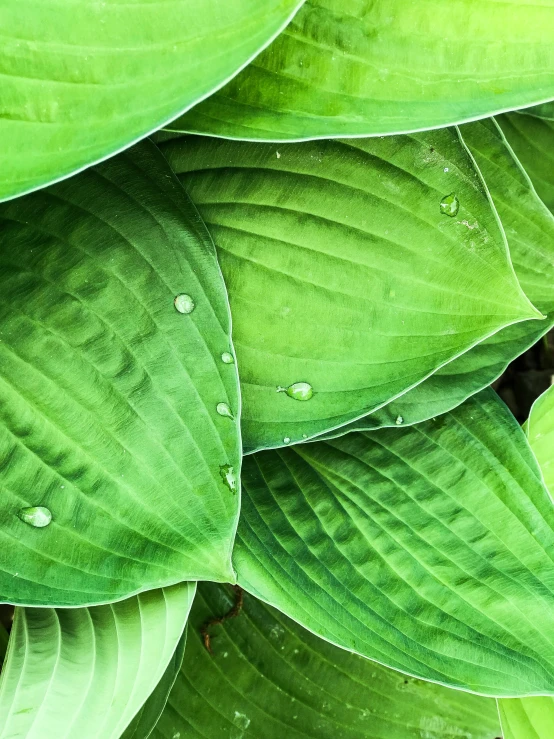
{"points": [[3, 643], [540, 432], [108, 394], [82, 80], [334, 253], [546, 111], [532, 139], [428, 549], [270, 678], [529, 226], [527, 718], [84, 672], [146, 719], [348, 68]]}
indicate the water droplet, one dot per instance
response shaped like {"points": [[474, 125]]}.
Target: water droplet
{"points": [[38, 516], [241, 720], [224, 410], [298, 391], [184, 303], [286, 440], [227, 358], [228, 476], [446, 169], [450, 205], [304, 436], [399, 420]]}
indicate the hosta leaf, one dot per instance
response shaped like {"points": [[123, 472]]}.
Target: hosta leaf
{"points": [[527, 718], [429, 549], [350, 68], [3, 643], [108, 394], [146, 719], [270, 678], [82, 80], [84, 672], [342, 271], [546, 110], [529, 226], [532, 139], [540, 432]]}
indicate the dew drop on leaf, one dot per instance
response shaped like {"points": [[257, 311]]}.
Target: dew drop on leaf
{"points": [[37, 516], [184, 303], [450, 205], [224, 410], [286, 440], [228, 476], [399, 420], [298, 391], [227, 358]]}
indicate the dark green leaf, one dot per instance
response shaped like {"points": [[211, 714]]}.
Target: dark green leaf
{"points": [[429, 549], [108, 394]]}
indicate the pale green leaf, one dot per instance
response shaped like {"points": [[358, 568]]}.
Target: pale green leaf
{"points": [[532, 139], [270, 678], [529, 226], [81, 80], [146, 719], [352, 68], [429, 549], [540, 432], [342, 270], [527, 718], [85, 672], [108, 394]]}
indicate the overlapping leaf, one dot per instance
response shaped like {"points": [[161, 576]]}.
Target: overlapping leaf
{"points": [[532, 139], [81, 80], [270, 678], [429, 549], [146, 719], [527, 718], [85, 672], [108, 394], [347, 68], [342, 271], [529, 226], [540, 432]]}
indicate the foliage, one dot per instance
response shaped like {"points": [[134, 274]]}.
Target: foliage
{"points": [[256, 350]]}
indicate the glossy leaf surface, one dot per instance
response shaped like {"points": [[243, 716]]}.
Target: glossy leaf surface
{"points": [[336, 253], [108, 393], [82, 80], [429, 549], [85, 672], [529, 226], [268, 677], [352, 68]]}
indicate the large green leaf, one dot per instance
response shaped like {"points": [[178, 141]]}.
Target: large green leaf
{"points": [[540, 432], [529, 226], [527, 718], [270, 678], [351, 68], [85, 672], [108, 394], [82, 80], [532, 139], [342, 270], [429, 549], [146, 719]]}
